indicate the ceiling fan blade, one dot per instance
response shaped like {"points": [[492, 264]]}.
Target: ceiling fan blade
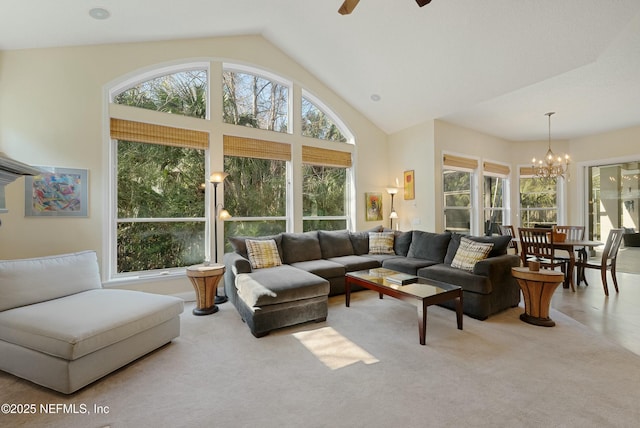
{"points": [[348, 6], [423, 2]]}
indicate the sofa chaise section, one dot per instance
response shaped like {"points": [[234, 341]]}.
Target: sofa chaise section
{"points": [[60, 329]]}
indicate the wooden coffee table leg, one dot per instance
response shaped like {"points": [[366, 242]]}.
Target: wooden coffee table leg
{"points": [[459, 310], [347, 292], [422, 322]]}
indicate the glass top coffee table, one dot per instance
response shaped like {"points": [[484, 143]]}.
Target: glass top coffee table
{"points": [[427, 291]]}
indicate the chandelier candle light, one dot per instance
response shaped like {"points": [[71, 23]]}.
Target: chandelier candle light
{"points": [[551, 166]]}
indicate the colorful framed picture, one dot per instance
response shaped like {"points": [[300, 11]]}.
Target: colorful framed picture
{"points": [[373, 202], [57, 192], [409, 185]]}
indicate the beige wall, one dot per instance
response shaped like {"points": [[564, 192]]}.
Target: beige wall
{"points": [[52, 113]]}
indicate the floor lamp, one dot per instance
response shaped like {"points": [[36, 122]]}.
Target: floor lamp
{"points": [[392, 191], [215, 179]]}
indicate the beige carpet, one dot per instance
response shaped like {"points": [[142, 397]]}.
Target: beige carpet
{"points": [[366, 370]]}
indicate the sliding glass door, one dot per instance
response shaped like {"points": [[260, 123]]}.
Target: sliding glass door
{"points": [[614, 194]]}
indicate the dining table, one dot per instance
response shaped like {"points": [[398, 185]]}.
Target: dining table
{"points": [[570, 246]]}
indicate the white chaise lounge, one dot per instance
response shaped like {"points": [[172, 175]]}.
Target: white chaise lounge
{"points": [[60, 329]]}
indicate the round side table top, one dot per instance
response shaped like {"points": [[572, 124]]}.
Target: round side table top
{"points": [[205, 269], [544, 274]]}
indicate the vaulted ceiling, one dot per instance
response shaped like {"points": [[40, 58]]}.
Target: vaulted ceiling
{"points": [[496, 66]]}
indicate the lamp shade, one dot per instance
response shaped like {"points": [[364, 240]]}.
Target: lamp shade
{"points": [[393, 214], [224, 214], [392, 190], [218, 176]]}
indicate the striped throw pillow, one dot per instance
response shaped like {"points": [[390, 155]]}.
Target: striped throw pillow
{"points": [[381, 243], [263, 253], [469, 253]]}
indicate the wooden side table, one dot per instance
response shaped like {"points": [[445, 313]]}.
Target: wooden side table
{"points": [[537, 288], [205, 279]]}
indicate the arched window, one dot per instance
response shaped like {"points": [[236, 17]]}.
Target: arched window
{"points": [[159, 197]]}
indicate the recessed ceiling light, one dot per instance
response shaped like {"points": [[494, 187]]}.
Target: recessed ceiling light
{"points": [[99, 13], [375, 97]]}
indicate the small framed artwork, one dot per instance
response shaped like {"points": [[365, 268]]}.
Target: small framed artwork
{"points": [[373, 203], [57, 192], [409, 185]]}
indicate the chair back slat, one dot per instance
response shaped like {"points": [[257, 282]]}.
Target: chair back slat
{"points": [[574, 233], [535, 242], [508, 230], [612, 246]]}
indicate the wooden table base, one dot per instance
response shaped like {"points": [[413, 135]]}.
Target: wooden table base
{"points": [[205, 279], [537, 290]]}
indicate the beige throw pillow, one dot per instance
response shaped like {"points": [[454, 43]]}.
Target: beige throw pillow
{"points": [[381, 243], [263, 253], [469, 253]]}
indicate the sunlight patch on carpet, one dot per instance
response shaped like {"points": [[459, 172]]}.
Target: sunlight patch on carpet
{"points": [[333, 349]]}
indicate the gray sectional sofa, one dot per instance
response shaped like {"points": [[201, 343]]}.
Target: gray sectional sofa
{"points": [[314, 265]]}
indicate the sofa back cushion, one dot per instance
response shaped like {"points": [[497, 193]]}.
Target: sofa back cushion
{"points": [[500, 245], [239, 244], [402, 242], [429, 246], [359, 242], [28, 281], [335, 243], [300, 247]]}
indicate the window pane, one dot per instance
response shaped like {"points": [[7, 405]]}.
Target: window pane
{"points": [[537, 202], [324, 190], [156, 181], [316, 124], [493, 204], [255, 187], [457, 201], [158, 245], [309, 225], [255, 101], [182, 93]]}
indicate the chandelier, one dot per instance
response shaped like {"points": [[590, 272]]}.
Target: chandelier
{"points": [[551, 166]]}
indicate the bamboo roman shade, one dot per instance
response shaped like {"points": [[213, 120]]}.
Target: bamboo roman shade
{"points": [[325, 157], [496, 168], [141, 132], [254, 148], [459, 162], [527, 170]]}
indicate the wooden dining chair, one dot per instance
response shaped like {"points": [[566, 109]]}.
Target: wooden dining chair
{"points": [[575, 233], [608, 259], [508, 230], [536, 243]]}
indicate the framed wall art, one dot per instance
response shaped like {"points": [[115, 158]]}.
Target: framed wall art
{"points": [[373, 202], [409, 185], [57, 192]]}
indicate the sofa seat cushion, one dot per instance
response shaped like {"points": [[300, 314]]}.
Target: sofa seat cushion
{"points": [[324, 268], [467, 280], [408, 265], [353, 263], [73, 326], [279, 284]]}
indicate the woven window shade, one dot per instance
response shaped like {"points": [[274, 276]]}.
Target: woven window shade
{"points": [[496, 168], [253, 148], [527, 170], [459, 162], [325, 157], [141, 132]]}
